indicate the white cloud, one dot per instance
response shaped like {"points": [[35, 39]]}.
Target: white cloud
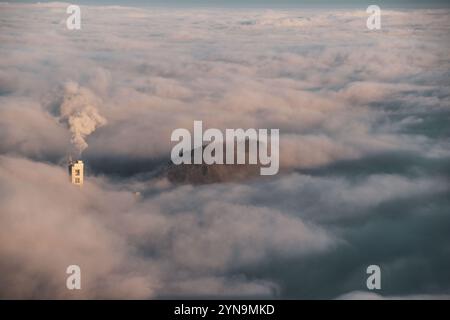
{"points": [[365, 295], [335, 90]]}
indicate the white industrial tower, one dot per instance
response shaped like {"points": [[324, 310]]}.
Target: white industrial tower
{"points": [[76, 171]]}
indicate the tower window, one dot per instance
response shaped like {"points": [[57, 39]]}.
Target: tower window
{"points": [[77, 172], [77, 180]]}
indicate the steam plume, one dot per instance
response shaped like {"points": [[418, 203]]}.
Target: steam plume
{"points": [[79, 111]]}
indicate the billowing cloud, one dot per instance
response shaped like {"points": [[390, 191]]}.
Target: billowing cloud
{"points": [[130, 247], [79, 111], [364, 152]]}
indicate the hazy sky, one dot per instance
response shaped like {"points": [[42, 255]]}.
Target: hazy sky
{"points": [[263, 3]]}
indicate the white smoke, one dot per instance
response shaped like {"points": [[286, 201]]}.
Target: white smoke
{"points": [[79, 111]]}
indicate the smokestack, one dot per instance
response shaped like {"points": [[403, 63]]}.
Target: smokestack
{"points": [[76, 172]]}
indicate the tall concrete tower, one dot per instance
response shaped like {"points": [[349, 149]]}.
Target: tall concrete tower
{"points": [[76, 171]]}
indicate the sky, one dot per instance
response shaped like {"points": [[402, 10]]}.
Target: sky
{"points": [[260, 3], [364, 153]]}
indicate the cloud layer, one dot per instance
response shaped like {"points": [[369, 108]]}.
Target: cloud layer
{"points": [[364, 152]]}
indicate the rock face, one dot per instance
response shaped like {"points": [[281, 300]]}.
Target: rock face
{"points": [[203, 174], [215, 173]]}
